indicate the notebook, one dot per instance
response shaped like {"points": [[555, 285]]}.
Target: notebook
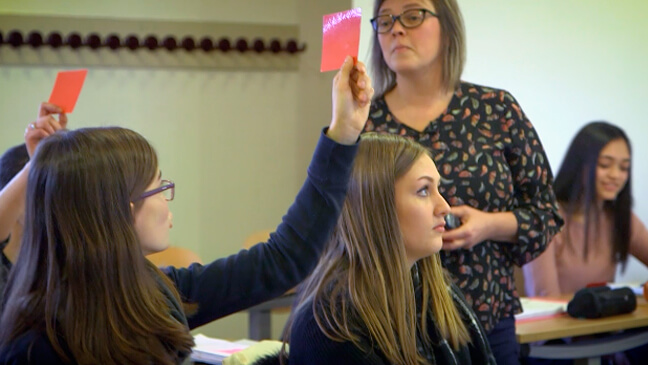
{"points": [[537, 308]]}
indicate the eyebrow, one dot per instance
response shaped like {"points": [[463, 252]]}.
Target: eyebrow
{"points": [[614, 159], [405, 7], [430, 179]]}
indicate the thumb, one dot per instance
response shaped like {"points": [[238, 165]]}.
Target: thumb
{"points": [[63, 120], [345, 70]]}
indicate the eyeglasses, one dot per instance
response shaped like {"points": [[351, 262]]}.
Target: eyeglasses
{"points": [[167, 188], [411, 18]]}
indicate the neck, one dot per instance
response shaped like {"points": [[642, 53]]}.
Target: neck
{"points": [[418, 88]]}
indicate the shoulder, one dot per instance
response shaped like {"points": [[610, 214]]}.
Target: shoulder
{"points": [[637, 227], [31, 348], [309, 345], [486, 92], [489, 97]]}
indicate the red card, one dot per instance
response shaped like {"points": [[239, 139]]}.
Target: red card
{"points": [[340, 38], [67, 89]]}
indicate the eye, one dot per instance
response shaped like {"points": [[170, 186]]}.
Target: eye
{"points": [[384, 21], [424, 191], [413, 16]]}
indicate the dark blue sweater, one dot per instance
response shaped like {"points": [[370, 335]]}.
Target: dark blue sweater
{"points": [[252, 276]]}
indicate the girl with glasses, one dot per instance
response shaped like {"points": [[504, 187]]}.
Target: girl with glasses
{"points": [[494, 171], [83, 293]]}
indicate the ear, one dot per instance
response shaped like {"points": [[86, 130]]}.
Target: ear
{"points": [[132, 206]]}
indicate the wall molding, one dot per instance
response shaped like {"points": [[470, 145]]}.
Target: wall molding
{"points": [[102, 42]]}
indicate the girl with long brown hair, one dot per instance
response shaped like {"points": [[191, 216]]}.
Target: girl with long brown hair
{"points": [[82, 292]]}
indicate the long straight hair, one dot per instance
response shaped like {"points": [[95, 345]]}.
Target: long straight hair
{"points": [[575, 186], [81, 277], [453, 49], [363, 282]]}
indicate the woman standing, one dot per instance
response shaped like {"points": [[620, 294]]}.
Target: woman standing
{"points": [[494, 172]]}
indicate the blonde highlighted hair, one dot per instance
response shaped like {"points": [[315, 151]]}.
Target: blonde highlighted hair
{"points": [[363, 282]]}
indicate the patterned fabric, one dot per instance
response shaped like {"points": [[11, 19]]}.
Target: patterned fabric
{"points": [[489, 157]]}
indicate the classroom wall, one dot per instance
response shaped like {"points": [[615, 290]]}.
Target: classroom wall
{"points": [[567, 63], [237, 143]]}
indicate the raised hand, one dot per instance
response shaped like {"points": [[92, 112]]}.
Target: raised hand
{"points": [[352, 93], [44, 125]]}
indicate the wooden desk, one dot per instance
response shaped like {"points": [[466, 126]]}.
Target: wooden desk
{"points": [[589, 351], [566, 326]]}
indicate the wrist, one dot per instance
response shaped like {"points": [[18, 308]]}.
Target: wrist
{"points": [[342, 135]]}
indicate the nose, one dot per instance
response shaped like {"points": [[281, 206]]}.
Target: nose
{"points": [[397, 28], [441, 206], [616, 172]]}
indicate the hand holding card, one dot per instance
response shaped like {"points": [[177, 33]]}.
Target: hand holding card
{"points": [[67, 89], [340, 38]]}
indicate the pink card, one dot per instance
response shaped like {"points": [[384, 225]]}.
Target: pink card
{"points": [[340, 38], [67, 89]]}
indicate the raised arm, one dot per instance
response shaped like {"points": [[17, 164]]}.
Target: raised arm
{"points": [[12, 196], [267, 270]]}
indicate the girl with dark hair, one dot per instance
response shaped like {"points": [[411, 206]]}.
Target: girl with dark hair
{"points": [[593, 187], [494, 171], [82, 292]]}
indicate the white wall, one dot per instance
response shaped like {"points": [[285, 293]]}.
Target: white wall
{"points": [[237, 143], [233, 141], [567, 63]]}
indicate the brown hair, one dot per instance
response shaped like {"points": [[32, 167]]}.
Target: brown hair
{"points": [[81, 277]]}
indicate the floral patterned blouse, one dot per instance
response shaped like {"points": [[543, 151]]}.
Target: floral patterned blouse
{"points": [[489, 157]]}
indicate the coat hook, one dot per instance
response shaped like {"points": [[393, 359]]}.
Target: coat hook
{"points": [[54, 40], [151, 42], [74, 40], [224, 44], [170, 43], [241, 45], [15, 38], [132, 42], [35, 39], [258, 45], [93, 41], [206, 44], [112, 41], [275, 46], [188, 43]]}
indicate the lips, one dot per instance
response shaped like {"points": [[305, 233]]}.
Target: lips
{"points": [[399, 47], [610, 186]]}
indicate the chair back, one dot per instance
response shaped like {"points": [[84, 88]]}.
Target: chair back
{"points": [[174, 256]]}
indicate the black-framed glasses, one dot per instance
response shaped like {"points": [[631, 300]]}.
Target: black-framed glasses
{"points": [[167, 188], [410, 18]]}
